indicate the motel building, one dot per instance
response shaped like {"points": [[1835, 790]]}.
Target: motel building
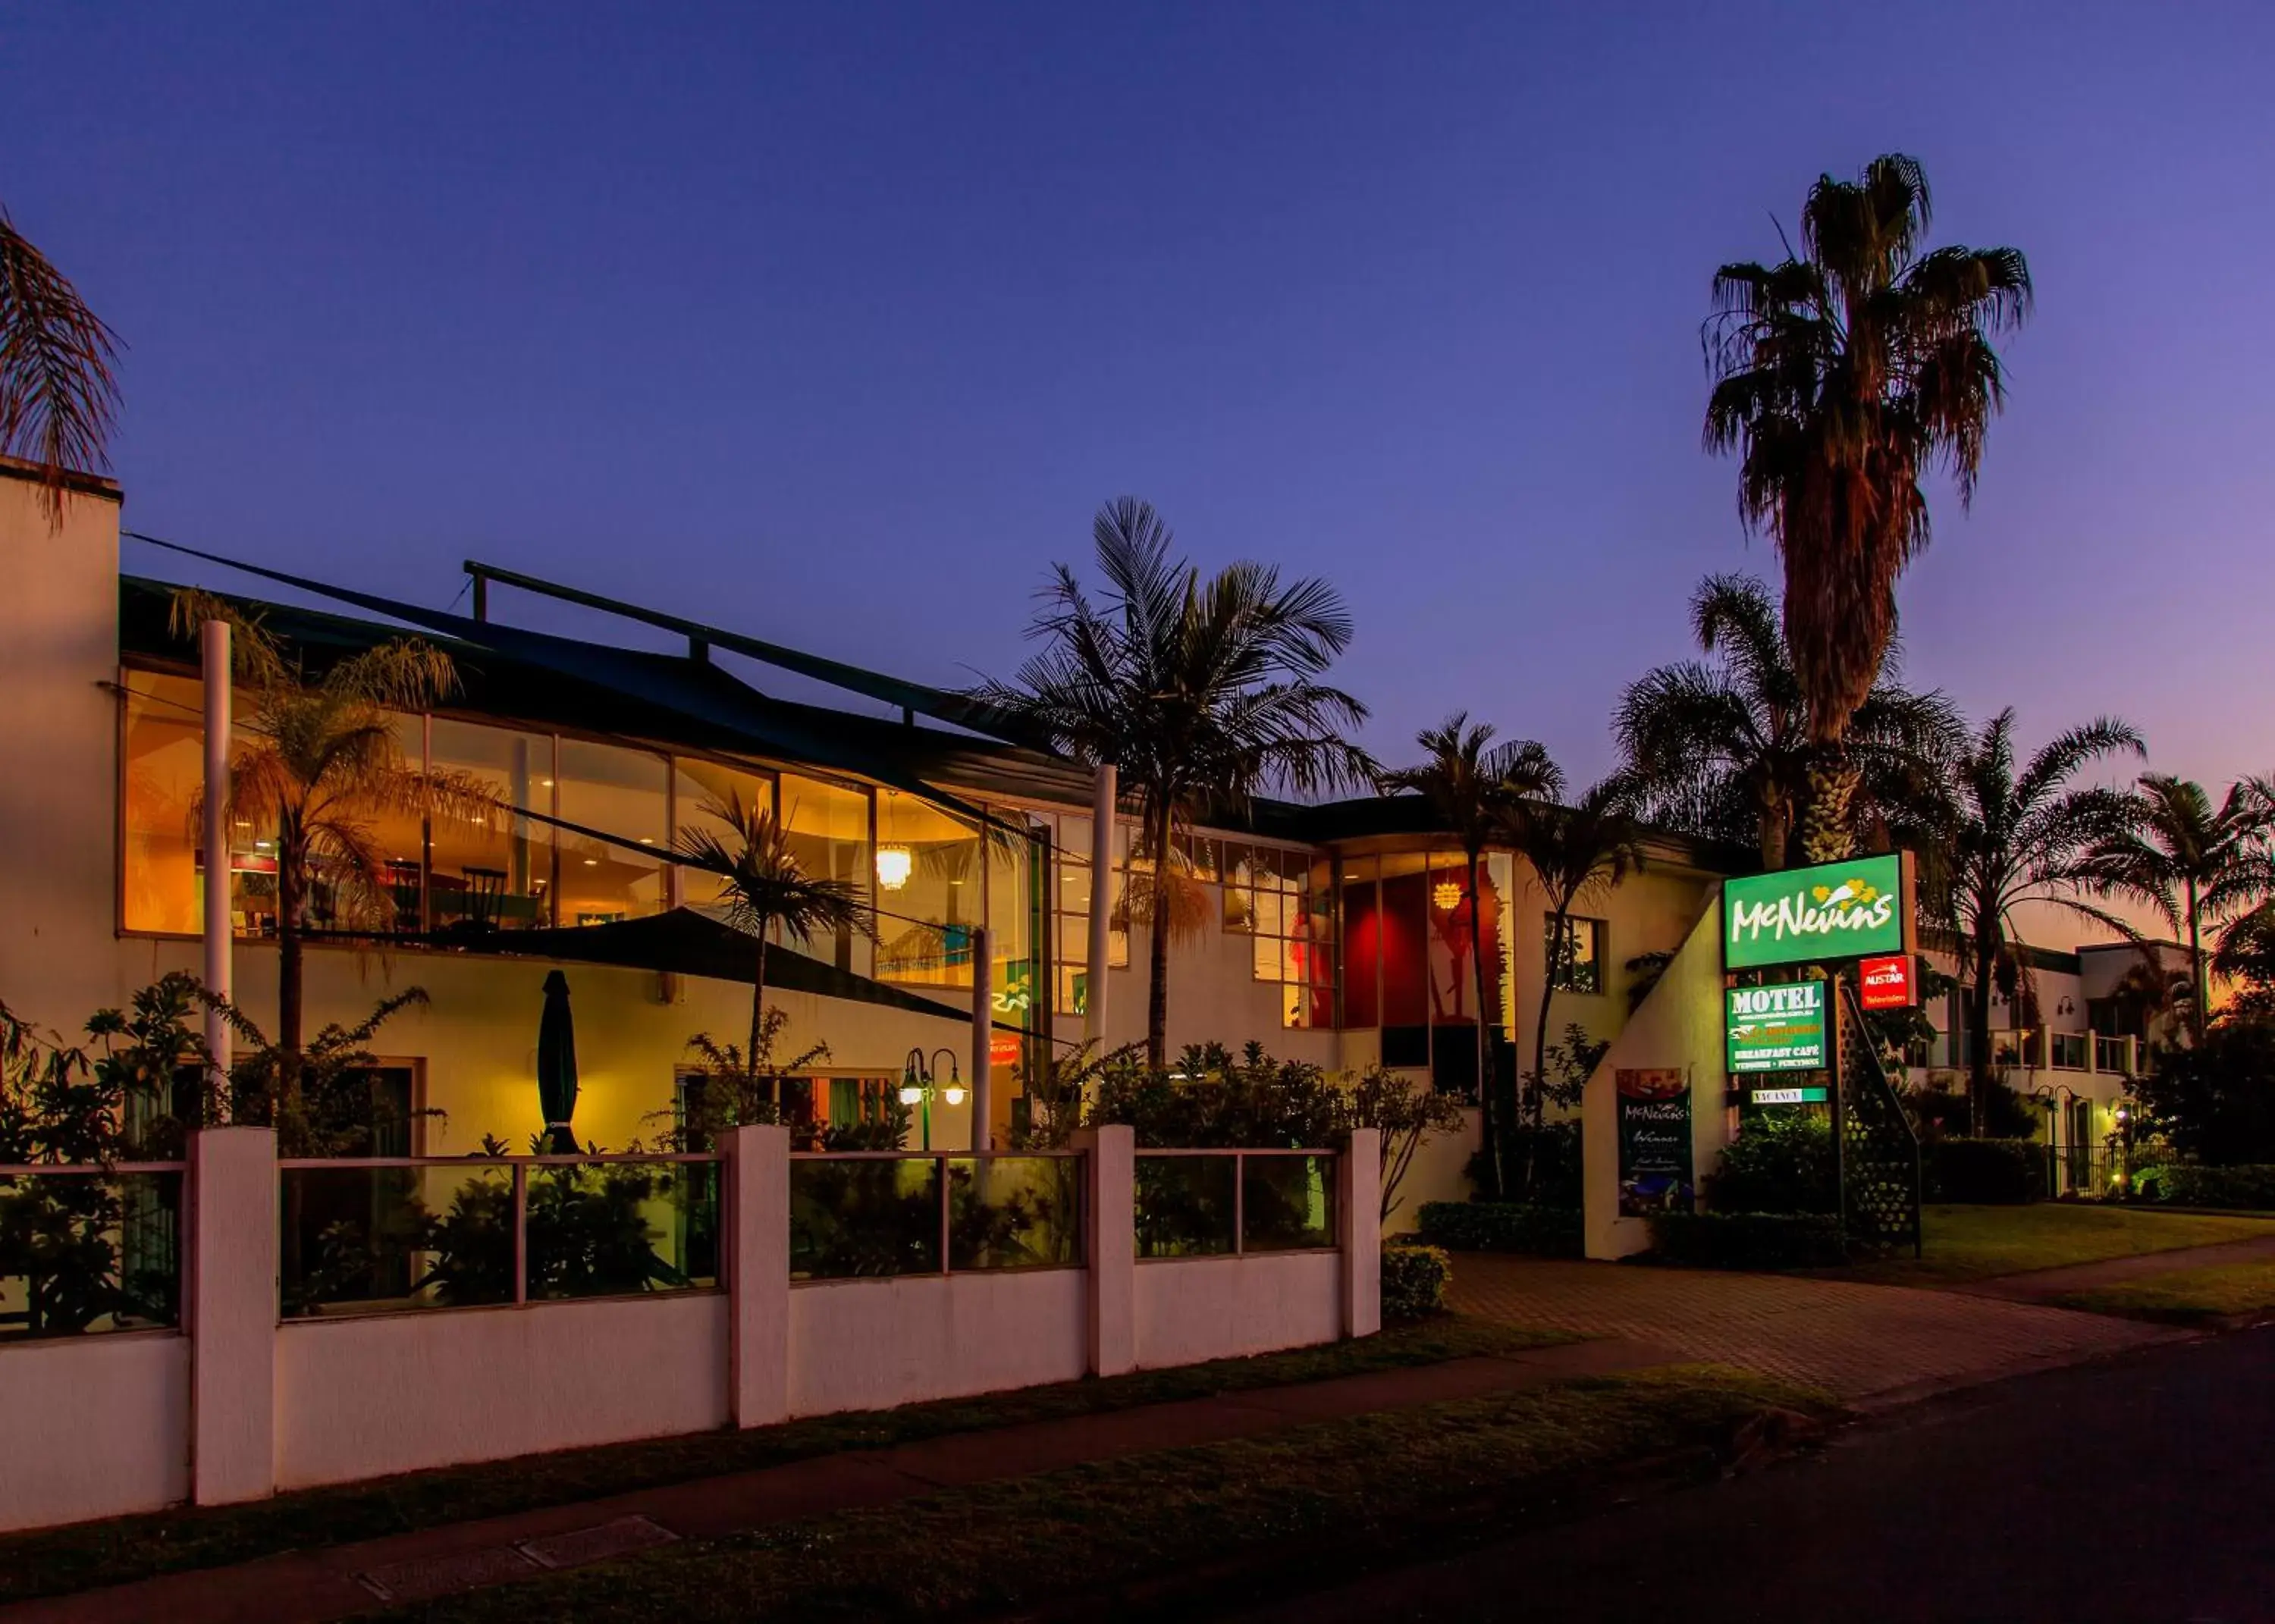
{"points": [[1339, 934]]}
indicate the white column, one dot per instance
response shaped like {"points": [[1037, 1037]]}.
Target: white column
{"points": [[1359, 1195], [1110, 1170], [1104, 795], [213, 644], [757, 1264], [983, 1036], [231, 1315]]}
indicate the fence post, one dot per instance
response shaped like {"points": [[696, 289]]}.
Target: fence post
{"points": [[1358, 1197], [756, 1173], [1110, 1232], [231, 1315]]}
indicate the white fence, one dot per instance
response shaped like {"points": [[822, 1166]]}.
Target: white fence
{"points": [[901, 1279]]}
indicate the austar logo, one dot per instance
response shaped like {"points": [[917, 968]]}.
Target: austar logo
{"points": [[1817, 911]]}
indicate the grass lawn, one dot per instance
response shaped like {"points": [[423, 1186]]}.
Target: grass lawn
{"points": [[58, 1560], [1977, 1242], [2188, 1297], [1328, 1497]]}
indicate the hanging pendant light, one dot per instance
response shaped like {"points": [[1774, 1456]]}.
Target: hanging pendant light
{"points": [[893, 865], [1447, 895]]}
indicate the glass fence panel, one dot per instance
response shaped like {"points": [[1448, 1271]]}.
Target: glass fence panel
{"points": [[1288, 1203], [376, 1240], [853, 1218], [613, 1229], [1014, 1211], [1185, 1205], [85, 1252]]}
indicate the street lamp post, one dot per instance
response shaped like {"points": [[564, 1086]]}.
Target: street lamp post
{"points": [[919, 1082]]}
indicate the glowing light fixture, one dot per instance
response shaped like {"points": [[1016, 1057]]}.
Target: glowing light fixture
{"points": [[894, 865], [953, 1094], [1447, 895], [911, 1095]]}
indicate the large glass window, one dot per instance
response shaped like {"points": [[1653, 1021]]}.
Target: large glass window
{"points": [[1011, 880], [929, 892], [1070, 910], [698, 789], [1362, 934], [493, 872], [619, 792], [828, 827], [1275, 895], [165, 766], [1580, 965]]}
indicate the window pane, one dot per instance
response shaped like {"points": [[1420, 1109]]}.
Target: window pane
{"points": [[828, 829], [1581, 970], [1011, 862], [927, 938], [163, 763], [618, 792], [697, 786], [1362, 926], [1405, 925], [494, 871]]}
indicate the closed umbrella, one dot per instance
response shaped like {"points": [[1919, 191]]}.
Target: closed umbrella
{"points": [[556, 1066]]}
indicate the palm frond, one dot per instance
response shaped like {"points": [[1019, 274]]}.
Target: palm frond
{"points": [[58, 398]]}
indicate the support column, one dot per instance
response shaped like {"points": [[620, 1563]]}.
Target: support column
{"points": [[1103, 798], [757, 1202], [212, 647], [231, 1314], [1358, 1196], [1110, 1225], [983, 1037]]}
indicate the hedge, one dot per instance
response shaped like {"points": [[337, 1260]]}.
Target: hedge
{"points": [[1414, 1280], [1499, 1227], [2252, 1185], [1985, 1172], [1748, 1240]]}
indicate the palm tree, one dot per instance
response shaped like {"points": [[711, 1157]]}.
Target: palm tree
{"points": [[2194, 865], [2016, 834], [1473, 785], [58, 401], [1200, 692], [764, 884], [323, 762], [1841, 375], [1575, 852], [1723, 750]]}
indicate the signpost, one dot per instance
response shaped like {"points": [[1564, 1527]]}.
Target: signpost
{"points": [[1858, 909], [1656, 1164], [1774, 1028]]}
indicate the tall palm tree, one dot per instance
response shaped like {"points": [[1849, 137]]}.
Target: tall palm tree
{"points": [[763, 884], [1723, 749], [2194, 865], [1201, 692], [321, 764], [1843, 374], [1575, 852], [2017, 833], [1473, 785], [58, 401]]}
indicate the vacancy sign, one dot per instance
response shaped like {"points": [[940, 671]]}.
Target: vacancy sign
{"points": [[1887, 983]]}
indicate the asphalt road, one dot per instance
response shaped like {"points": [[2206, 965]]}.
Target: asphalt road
{"points": [[2140, 1489]]}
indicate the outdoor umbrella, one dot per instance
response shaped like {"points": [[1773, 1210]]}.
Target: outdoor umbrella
{"points": [[556, 1066]]}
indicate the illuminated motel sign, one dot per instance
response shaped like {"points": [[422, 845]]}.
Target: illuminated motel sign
{"points": [[1858, 909]]}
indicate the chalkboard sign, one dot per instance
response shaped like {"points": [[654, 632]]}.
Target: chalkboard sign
{"points": [[1655, 1160]]}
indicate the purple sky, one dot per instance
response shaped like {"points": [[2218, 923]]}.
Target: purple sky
{"points": [[835, 324]]}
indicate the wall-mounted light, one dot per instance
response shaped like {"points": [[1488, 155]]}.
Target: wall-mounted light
{"points": [[1447, 895], [893, 865]]}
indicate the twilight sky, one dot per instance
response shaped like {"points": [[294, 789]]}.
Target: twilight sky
{"points": [[836, 323]]}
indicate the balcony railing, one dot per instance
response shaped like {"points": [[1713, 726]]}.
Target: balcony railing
{"points": [[868, 1215], [1211, 1203], [86, 1248], [388, 1234]]}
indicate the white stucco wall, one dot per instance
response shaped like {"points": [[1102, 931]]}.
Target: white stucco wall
{"points": [[95, 1426], [1189, 1309], [395, 1392], [869, 1344]]}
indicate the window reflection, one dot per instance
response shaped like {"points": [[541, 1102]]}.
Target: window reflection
{"points": [[494, 871], [163, 760], [620, 792], [828, 827], [926, 920], [697, 788]]}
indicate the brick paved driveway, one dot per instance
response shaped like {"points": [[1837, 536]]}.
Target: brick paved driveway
{"points": [[1857, 1341]]}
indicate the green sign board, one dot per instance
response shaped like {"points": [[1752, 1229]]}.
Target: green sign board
{"points": [[1805, 916], [1775, 1028], [1785, 1096]]}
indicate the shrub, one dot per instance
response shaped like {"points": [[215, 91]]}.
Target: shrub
{"points": [[2184, 1185], [1778, 1164], [1501, 1226], [1989, 1172], [1748, 1240], [1414, 1280], [2215, 1101]]}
